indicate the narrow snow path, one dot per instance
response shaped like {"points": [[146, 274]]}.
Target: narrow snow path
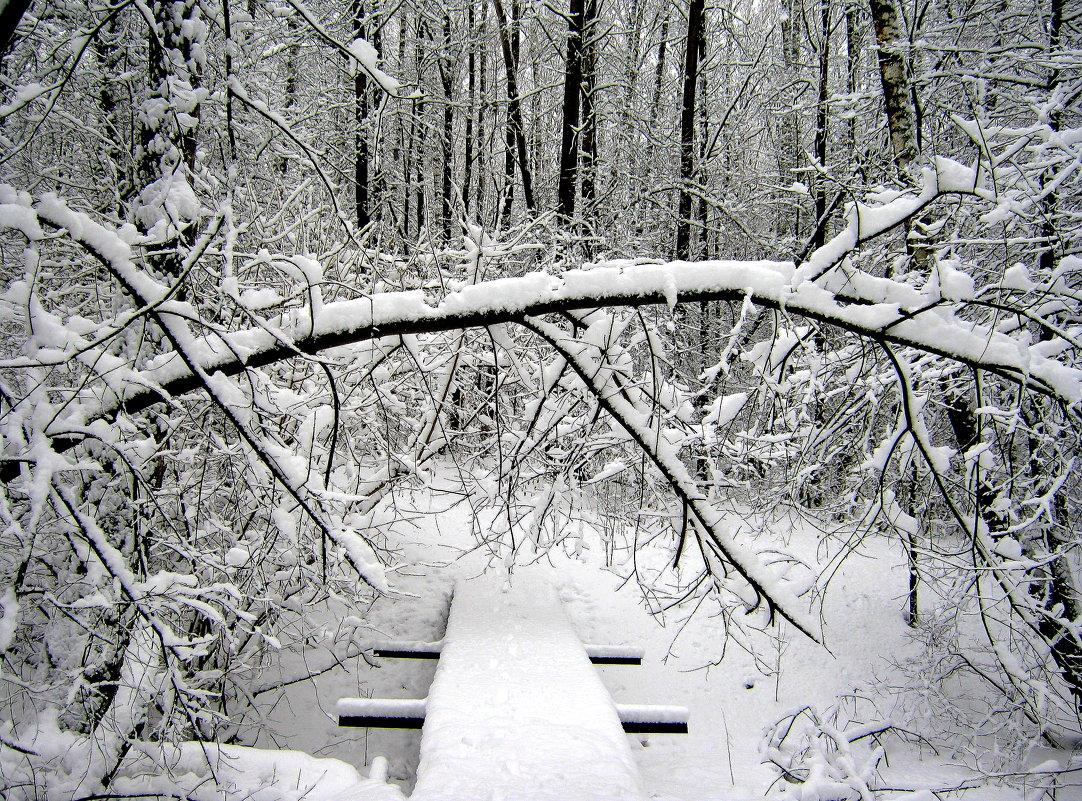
{"points": [[516, 710]]}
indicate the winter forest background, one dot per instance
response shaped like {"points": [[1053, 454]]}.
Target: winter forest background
{"points": [[628, 268]]}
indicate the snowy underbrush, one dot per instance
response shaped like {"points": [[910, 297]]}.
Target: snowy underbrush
{"points": [[943, 690], [940, 713], [44, 758], [882, 712], [953, 692], [194, 771], [829, 754]]}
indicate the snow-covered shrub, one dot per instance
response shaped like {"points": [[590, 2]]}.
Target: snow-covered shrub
{"points": [[824, 756], [942, 691]]}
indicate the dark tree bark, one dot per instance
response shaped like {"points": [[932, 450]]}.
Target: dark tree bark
{"points": [[509, 41], [591, 35], [111, 59], [790, 133], [821, 129], [289, 98], [447, 80], [634, 55], [484, 111], [10, 15], [819, 236], [569, 130], [852, 55], [1062, 589], [1050, 254], [377, 179], [700, 233], [403, 150], [228, 30], [418, 181], [687, 126], [516, 132], [659, 75], [167, 146], [472, 100]]}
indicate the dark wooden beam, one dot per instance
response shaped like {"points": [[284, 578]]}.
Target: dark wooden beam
{"points": [[409, 713], [405, 653], [653, 727], [599, 654], [381, 722], [616, 660]]}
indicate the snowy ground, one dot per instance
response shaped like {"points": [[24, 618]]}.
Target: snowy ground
{"points": [[732, 702]]}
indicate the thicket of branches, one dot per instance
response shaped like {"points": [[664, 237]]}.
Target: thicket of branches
{"points": [[255, 281]]}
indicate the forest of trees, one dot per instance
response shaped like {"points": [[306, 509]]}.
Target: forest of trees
{"points": [[816, 258]]}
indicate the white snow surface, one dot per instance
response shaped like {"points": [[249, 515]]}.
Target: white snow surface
{"points": [[516, 710], [689, 661]]}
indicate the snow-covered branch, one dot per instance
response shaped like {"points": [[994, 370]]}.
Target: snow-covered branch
{"points": [[931, 318]]}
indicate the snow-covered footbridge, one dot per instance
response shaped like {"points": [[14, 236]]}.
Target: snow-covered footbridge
{"points": [[516, 710]]}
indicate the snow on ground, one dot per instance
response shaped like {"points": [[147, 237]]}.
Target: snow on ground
{"points": [[206, 770], [732, 699]]}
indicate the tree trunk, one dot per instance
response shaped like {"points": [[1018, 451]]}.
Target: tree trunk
{"points": [[419, 181], [659, 74], [589, 109], [651, 171], [894, 76], [901, 110], [110, 58], [1054, 586], [403, 149], [227, 29], [360, 122], [483, 104], [1050, 255], [10, 15], [631, 67], [790, 151], [447, 76], [821, 133], [687, 127], [168, 140], [569, 130], [852, 54], [516, 132], [290, 90], [473, 101], [700, 234], [377, 179]]}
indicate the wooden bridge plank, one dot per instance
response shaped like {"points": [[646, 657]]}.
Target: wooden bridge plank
{"points": [[516, 712]]}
